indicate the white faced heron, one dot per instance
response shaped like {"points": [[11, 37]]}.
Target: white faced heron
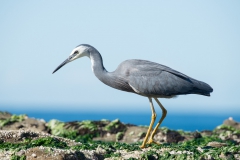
{"points": [[142, 77]]}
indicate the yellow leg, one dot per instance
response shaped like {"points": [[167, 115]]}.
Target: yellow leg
{"points": [[154, 115], [164, 113]]}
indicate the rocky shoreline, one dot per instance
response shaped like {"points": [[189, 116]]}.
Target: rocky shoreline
{"points": [[22, 137]]}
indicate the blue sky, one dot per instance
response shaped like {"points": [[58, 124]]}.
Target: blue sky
{"points": [[198, 38]]}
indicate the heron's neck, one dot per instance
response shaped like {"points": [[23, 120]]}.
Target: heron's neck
{"points": [[97, 65], [109, 78]]}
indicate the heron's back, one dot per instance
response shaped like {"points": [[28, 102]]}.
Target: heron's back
{"points": [[152, 79]]}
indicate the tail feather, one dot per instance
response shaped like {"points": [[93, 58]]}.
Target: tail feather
{"points": [[202, 88]]}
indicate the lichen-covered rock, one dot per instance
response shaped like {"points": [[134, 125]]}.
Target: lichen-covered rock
{"points": [[15, 122], [115, 126], [232, 123], [216, 144], [110, 140]]}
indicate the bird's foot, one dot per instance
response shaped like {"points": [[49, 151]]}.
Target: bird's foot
{"points": [[152, 141], [142, 146]]}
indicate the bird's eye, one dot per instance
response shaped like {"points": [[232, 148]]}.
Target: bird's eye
{"points": [[76, 52]]}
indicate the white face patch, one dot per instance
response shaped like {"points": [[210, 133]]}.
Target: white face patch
{"points": [[79, 52]]}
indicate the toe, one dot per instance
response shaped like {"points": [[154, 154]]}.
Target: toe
{"points": [[142, 146], [152, 141]]}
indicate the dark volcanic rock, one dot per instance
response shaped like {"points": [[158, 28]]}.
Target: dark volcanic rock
{"points": [[196, 135], [173, 137]]}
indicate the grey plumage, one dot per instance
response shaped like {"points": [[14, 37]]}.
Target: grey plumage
{"points": [[148, 78], [142, 77]]}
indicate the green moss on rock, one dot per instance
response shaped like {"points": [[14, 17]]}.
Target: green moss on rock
{"points": [[87, 124], [115, 126], [119, 136], [12, 119]]}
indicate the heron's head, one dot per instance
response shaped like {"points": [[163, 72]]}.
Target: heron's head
{"points": [[78, 52]]}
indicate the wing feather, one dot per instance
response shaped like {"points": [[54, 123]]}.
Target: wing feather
{"points": [[153, 79]]}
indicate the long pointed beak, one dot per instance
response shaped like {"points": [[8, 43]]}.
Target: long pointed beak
{"points": [[61, 65]]}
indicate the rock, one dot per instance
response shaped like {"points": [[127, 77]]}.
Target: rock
{"points": [[206, 133], [119, 136], [34, 155], [216, 144], [38, 143], [5, 115], [232, 123], [115, 126], [15, 122], [134, 134], [173, 137], [196, 135], [200, 149]]}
